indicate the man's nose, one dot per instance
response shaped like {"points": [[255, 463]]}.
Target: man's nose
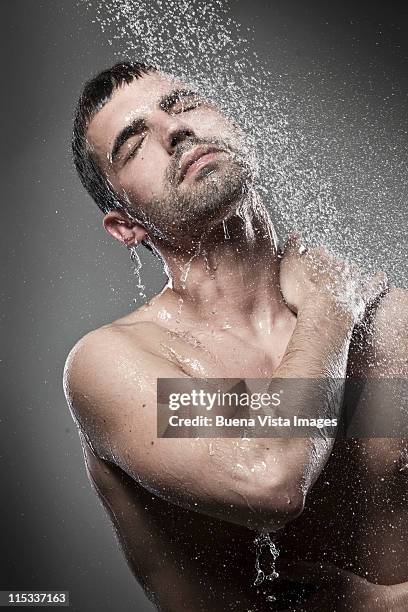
{"points": [[174, 131], [178, 135]]}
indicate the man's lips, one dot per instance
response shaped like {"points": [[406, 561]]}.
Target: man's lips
{"points": [[196, 159]]}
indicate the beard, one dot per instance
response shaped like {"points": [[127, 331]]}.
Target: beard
{"points": [[208, 197]]}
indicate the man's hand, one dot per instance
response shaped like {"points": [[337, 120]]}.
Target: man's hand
{"points": [[308, 275], [342, 591]]}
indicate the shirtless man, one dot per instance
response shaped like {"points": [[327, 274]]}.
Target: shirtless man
{"points": [[169, 170]]}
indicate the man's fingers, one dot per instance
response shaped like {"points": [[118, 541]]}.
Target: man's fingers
{"points": [[292, 243], [379, 282], [294, 248]]}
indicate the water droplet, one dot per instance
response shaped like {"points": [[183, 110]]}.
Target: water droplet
{"points": [[263, 541]]}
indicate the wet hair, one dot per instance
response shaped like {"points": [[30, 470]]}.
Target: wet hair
{"points": [[95, 94]]}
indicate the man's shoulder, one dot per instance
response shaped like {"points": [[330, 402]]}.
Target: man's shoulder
{"points": [[117, 335], [391, 317], [94, 361], [107, 372], [137, 329], [390, 332]]}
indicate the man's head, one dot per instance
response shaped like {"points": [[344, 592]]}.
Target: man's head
{"points": [[159, 160]]}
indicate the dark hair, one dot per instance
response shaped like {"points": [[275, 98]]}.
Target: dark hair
{"points": [[95, 94]]}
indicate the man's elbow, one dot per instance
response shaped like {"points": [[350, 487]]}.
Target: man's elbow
{"points": [[273, 504]]}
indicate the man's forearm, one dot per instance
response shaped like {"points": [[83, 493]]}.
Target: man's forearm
{"points": [[280, 471], [313, 368], [320, 343]]}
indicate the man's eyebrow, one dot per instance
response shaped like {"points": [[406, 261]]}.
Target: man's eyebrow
{"points": [[167, 101], [133, 128]]}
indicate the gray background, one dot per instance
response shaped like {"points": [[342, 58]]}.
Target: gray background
{"points": [[63, 276]]}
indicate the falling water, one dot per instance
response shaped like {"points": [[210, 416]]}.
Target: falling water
{"points": [[263, 541], [338, 177], [332, 172], [226, 232], [134, 256]]}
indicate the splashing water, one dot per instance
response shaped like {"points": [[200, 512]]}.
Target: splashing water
{"points": [[344, 186], [226, 232], [186, 269], [313, 168], [136, 271], [262, 541]]}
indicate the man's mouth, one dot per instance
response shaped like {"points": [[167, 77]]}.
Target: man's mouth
{"points": [[196, 159]]}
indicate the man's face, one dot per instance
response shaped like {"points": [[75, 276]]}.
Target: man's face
{"points": [[173, 154]]}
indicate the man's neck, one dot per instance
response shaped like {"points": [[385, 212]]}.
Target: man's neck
{"points": [[230, 277]]}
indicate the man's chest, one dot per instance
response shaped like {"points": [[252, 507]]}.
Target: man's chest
{"points": [[220, 354]]}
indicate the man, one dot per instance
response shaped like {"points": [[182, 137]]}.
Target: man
{"points": [[170, 171]]}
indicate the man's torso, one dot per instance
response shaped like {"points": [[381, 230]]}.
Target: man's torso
{"points": [[355, 515]]}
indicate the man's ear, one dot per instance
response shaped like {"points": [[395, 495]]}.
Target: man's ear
{"points": [[118, 225]]}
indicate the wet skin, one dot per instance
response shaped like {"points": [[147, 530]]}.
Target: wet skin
{"points": [[355, 516], [223, 326]]}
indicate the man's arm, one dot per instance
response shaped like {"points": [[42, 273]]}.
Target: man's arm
{"points": [[389, 346], [119, 496], [125, 505], [111, 387], [385, 356]]}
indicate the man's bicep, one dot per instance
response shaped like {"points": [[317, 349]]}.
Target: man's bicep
{"points": [[111, 389], [113, 397]]}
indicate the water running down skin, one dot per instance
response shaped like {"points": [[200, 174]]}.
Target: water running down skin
{"points": [[185, 509]]}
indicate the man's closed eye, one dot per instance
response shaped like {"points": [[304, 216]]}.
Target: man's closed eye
{"points": [[133, 150]]}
